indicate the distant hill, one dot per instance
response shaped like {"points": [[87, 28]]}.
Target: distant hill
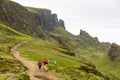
{"points": [[43, 24]]}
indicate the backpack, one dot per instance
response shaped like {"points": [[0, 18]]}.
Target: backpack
{"points": [[39, 63]]}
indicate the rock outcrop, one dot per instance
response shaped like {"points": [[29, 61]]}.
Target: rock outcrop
{"points": [[49, 20], [39, 22], [23, 20], [84, 33], [114, 51], [19, 18], [88, 41], [61, 23]]}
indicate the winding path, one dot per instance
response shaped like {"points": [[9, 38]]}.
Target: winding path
{"points": [[32, 68]]}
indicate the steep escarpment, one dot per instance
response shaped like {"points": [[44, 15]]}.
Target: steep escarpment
{"points": [[47, 19], [28, 22], [17, 17], [114, 51], [39, 22]]}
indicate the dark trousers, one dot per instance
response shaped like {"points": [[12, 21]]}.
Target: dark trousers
{"points": [[39, 67]]}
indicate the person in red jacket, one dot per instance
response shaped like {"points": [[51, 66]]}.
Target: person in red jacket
{"points": [[45, 63]]}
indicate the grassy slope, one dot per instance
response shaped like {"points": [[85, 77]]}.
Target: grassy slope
{"points": [[97, 55], [9, 37], [102, 62], [84, 46], [66, 66], [109, 67], [9, 65]]}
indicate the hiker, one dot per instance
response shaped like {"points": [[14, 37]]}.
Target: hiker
{"points": [[53, 62], [39, 64], [45, 63]]}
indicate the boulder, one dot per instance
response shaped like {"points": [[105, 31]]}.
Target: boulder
{"points": [[114, 51]]}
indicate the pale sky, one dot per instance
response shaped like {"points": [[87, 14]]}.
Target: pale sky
{"points": [[99, 18]]}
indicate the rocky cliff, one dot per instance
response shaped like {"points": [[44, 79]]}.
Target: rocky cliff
{"points": [[87, 38], [39, 22], [88, 41], [46, 19], [114, 51], [17, 17], [23, 20]]}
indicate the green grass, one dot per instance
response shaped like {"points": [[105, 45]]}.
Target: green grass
{"points": [[109, 67], [102, 62], [36, 10], [67, 66], [8, 64], [47, 49], [89, 54], [23, 77], [2, 76]]}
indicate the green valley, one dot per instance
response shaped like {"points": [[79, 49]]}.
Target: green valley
{"points": [[78, 57], [37, 49]]}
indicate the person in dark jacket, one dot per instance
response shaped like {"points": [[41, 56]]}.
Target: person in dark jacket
{"points": [[39, 64]]}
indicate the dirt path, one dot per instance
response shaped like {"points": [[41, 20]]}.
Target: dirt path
{"points": [[32, 67]]}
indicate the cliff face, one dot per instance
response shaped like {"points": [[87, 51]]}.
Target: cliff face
{"points": [[17, 17], [49, 20], [85, 37], [38, 22], [61, 23], [23, 20], [114, 51]]}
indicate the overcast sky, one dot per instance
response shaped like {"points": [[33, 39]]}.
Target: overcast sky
{"points": [[99, 18]]}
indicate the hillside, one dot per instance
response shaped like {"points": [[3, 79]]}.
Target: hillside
{"points": [[9, 66], [109, 67], [19, 18], [28, 21], [90, 47], [44, 24], [67, 66], [109, 64], [75, 55]]}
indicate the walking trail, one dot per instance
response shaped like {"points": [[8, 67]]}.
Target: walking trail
{"points": [[32, 68]]}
